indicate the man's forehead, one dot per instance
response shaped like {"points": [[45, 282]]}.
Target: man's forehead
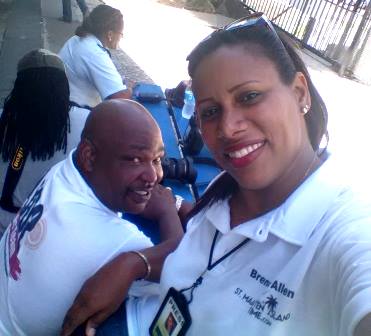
{"points": [[141, 140]]}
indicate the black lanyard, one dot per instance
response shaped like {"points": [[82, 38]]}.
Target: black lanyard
{"points": [[211, 264]]}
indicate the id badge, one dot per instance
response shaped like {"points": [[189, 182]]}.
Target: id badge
{"points": [[173, 318]]}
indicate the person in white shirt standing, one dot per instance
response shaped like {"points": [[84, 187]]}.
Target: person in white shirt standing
{"points": [[67, 9], [91, 73], [70, 225]]}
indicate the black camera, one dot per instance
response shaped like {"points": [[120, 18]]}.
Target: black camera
{"points": [[179, 169], [192, 141]]}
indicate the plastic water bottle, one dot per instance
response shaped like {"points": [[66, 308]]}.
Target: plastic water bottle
{"points": [[189, 104]]}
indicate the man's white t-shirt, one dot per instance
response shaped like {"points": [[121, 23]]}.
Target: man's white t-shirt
{"points": [[34, 170], [92, 76], [61, 237], [305, 271]]}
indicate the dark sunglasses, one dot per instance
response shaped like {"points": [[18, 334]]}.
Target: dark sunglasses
{"points": [[254, 20]]}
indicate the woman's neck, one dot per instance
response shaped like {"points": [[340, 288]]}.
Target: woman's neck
{"points": [[247, 204]]}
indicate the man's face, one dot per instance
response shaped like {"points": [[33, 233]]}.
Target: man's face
{"points": [[127, 168]]}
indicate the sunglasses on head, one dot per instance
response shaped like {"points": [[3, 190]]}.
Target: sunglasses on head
{"points": [[254, 20]]}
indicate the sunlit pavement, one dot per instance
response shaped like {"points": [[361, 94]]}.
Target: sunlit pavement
{"points": [[160, 37]]}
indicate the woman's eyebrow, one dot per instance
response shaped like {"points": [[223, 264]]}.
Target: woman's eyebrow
{"points": [[242, 84]]}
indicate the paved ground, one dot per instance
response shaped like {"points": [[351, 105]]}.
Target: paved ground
{"points": [[157, 39]]}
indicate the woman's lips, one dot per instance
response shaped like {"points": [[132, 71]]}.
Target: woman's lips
{"points": [[244, 155]]}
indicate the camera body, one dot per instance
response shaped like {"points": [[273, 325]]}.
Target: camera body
{"points": [[181, 170]]}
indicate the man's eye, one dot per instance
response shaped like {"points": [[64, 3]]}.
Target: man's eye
{"points": [[132, 160], [157, 161], [208, 112], [248, 97]]}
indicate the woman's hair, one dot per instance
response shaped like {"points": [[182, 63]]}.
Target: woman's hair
{"points": [[281, 52], [100, 21], [36, 113]]}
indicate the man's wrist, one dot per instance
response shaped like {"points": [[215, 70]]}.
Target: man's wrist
{"points": [[145, 262]]}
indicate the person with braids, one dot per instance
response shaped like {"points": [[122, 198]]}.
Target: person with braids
{"points": [[278, 245], [91, 73], [37, 129]]}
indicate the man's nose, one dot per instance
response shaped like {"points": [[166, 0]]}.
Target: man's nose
{"points": [[150, 174]]}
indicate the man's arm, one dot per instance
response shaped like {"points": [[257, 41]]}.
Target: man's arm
{"points": [[364, 327], [102, 294]]}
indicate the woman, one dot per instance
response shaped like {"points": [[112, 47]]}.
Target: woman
{"points": [[36, 129], [91, 73], [277, 245]]}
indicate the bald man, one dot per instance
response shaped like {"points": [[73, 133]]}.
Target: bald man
{"points": [[69, 227]]}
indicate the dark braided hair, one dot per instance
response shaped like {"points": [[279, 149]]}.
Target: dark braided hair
{"points": [[36, 114], [100, 21], [288, 63]]}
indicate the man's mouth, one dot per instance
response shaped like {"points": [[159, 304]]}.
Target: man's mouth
{"points": [[141, 195], [142, 192]]}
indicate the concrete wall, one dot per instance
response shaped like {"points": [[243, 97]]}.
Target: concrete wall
{"points": [[362, 70]]}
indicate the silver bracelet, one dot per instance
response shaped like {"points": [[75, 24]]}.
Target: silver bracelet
{"points": [[178, 202], [148, 265]]}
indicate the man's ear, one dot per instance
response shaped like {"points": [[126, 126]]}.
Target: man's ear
{"points": [[86, 154], [301, 90]]}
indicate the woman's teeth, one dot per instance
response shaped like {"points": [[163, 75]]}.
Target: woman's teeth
{"points": [[245, 151]]}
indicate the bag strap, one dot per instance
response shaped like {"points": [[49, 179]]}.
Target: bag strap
{"points": [[12, 177], [72, 103]]}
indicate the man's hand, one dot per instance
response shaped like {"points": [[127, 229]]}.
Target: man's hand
{"points": [[103, 293], [161, 203]]}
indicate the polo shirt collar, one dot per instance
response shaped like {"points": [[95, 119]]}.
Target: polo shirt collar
{"points": [[295, 219], [100, 44], [78, 184]]}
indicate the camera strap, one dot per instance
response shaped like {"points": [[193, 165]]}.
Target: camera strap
{"points": [[13, 174]]}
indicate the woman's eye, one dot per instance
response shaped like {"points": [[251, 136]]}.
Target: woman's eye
{"points": [[248, 97], [208, 112]]}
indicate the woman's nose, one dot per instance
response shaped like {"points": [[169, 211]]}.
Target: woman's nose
{"points": [[231, 123]]}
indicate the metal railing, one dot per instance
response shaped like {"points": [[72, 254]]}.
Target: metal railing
{"points": [[337, 30]]}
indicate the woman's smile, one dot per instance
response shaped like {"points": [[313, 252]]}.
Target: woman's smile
{"points": [[243, 155]]}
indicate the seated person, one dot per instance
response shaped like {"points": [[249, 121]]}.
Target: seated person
{"points": [[278, 244], [35, 121], [70, 225], [91, 73]]}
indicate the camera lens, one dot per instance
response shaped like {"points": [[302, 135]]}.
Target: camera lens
{"points": [[179, 169]]}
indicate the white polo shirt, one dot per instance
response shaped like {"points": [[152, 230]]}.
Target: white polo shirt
{"points": [[62, 237], [306, 270], [92, 76]]}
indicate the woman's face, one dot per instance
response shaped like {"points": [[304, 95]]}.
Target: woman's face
{"points": [[249, 119]]}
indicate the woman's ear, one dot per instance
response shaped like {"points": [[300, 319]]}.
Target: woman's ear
{"points": [[110, 36], [301, 90], [86, 154]]}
